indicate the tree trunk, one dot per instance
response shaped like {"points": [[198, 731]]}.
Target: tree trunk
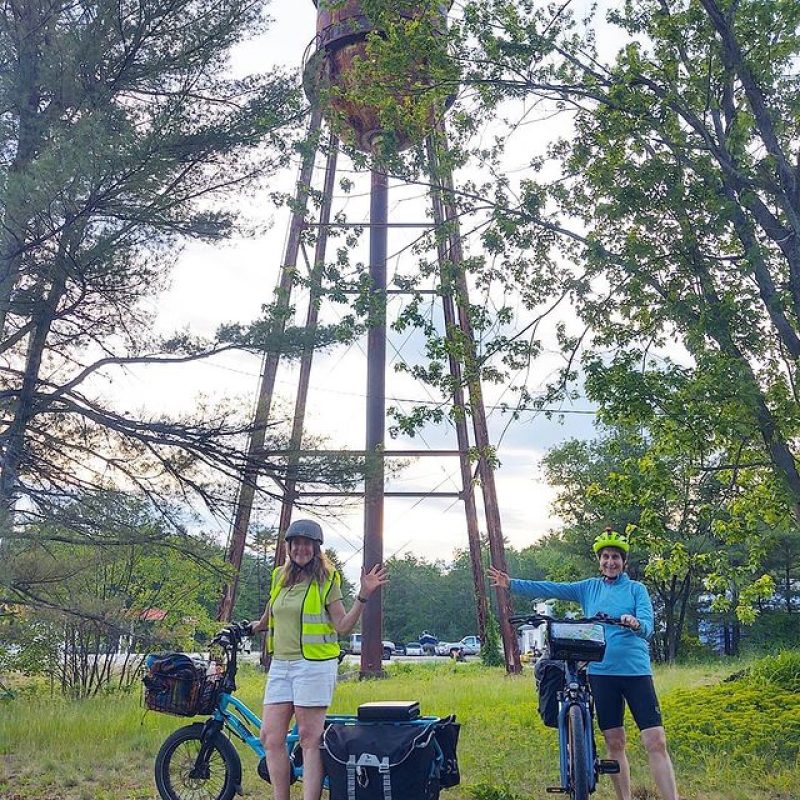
{"points": [[13, 439], [669, 612], [26, 98], [685, 594]]}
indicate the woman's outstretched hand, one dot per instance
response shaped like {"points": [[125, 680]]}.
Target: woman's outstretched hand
{"points": [[372, 580], [498, 578]]}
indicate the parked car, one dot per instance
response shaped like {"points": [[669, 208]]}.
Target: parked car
{"points": [[354, 646], [468, 646], [414, 649]]}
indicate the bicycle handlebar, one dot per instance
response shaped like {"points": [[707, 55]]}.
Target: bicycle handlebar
{"points": [[231, 636], [540, 619], [224, 641]]}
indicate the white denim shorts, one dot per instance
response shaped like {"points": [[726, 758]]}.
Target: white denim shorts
{"points": [[303, 683]]}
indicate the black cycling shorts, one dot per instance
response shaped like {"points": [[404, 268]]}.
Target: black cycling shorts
{"points": [[611, 692]]}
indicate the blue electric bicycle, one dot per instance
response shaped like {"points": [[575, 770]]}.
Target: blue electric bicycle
{"points": [[197, 761], [576, 642]]}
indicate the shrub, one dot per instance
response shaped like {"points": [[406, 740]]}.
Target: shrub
{"points": [[486, 791], [490, 649], [692, 651], [782, 670], [736, 719]]}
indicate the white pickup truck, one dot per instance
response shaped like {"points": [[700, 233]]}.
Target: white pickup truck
{"points": [[354, 646], [468, 646]]}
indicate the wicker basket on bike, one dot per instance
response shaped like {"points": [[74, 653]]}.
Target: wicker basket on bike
{"points": [[176, 683]]}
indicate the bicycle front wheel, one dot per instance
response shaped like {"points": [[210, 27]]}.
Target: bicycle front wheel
{"points": [[578, 759], [177, 760]]}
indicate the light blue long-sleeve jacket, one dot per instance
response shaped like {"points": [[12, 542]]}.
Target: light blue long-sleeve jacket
{"points": [[627, 652]]}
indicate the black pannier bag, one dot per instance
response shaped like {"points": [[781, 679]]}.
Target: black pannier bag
{"points": [[381, 761], [388, 711], [446, 732], [581, 641], [177, 684], [549, 676]]}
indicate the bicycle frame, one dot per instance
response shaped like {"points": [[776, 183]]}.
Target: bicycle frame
{"points": [[233, 714], [226, 713]]}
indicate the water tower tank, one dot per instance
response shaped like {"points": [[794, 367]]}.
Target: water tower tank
{"points": [[329, 73]]}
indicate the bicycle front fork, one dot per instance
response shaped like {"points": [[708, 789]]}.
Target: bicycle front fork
{"points": [[200, 769]]}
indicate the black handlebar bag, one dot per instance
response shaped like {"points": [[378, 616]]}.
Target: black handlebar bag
{"points": [[381, 761]]}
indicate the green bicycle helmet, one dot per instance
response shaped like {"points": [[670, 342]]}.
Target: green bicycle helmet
{"points": [[610, 538]]}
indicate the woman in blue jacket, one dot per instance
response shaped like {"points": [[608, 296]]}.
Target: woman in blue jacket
{"points": [[624, 675]]}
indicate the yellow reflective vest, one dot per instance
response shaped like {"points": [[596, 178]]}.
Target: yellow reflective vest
{"points": [[318, 638]]}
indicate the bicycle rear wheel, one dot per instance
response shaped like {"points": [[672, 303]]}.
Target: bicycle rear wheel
{"points": [[177, 759], [578, 759]]}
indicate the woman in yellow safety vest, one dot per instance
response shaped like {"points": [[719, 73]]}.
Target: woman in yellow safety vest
{"points": [[303, 620]]}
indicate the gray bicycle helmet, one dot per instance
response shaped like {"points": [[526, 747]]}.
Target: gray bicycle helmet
{"points": [[304, 527]]}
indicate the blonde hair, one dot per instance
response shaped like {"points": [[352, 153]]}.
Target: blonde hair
{"points": [[320, 568]]}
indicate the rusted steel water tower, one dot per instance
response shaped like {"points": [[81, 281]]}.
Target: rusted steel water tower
{"points": [[337, 73], [337, 81]]}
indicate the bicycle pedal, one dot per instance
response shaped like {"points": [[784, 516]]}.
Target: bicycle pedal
{"points": [[608, 766], [556, 790]]}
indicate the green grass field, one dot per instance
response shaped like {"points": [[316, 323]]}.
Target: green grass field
{"points": [[730, 741]]}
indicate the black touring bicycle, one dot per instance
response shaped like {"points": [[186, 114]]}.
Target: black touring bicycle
{"points": [[565, 697]]}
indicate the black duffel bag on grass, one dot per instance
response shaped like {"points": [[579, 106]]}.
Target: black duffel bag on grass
{"points": [[382, 761]]}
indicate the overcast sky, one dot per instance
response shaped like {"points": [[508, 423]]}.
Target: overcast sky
{"points": [[228, 283]]}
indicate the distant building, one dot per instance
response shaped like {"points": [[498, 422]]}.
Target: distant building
{"points": [[532, 640]]}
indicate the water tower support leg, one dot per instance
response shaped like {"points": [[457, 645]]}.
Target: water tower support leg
{"points": [[459, 406], [269, 368], [371, 625], [479, 423]]}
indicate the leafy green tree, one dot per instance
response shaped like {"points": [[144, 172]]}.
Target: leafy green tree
{"points": [[411, 599], [123, 135], [783, 562], [655, 487], [93, 609], [676, 198], [424, 596], [491, 650], [255, 575], [669, 218]]}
